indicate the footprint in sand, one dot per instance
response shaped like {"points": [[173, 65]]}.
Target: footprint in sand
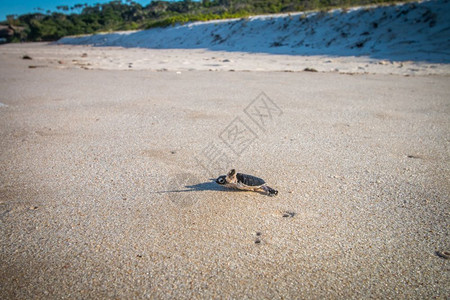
{"points": [[443, 254], [288, 214], [257, 237]]}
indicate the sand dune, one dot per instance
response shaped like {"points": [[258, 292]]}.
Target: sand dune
{"points": [[415, 31]]}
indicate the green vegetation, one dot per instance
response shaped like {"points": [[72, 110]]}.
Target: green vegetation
{"points": [[129, 15]]}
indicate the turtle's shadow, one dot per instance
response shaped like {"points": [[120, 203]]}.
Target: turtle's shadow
{"points": [[200, 187], [205, 186], [210, 186]]}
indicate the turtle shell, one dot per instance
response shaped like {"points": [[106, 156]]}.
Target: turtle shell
{"points": [[249, 180]]}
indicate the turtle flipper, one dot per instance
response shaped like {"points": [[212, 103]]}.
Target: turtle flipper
{"points": [[270, 191], [231, 176]]}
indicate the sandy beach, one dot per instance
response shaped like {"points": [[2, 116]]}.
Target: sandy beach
{"points": [[107, 156]]}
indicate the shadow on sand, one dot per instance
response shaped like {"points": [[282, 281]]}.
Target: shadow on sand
{"points": [[200, 187]]}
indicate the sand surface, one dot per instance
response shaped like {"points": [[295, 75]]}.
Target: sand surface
{"points": [[118, 58], [105, 171]]}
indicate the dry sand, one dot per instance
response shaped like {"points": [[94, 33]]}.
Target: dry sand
{"points": [[117, 58], [103, 195]]}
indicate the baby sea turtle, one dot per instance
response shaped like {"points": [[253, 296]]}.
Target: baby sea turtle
{"points": [[245, 182]]}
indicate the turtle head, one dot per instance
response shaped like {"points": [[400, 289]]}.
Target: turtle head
{"points": [[221, 180]]}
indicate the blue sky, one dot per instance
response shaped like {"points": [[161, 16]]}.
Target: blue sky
{"points": [[19, 7]]}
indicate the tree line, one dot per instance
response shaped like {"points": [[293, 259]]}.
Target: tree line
{"points": [[129, 15]]}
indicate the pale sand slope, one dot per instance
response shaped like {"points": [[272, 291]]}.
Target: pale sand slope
{"points": [[415, 31], [93, 184]]}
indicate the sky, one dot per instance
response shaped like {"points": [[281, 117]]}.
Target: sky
{"points": [[19, 7]]}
